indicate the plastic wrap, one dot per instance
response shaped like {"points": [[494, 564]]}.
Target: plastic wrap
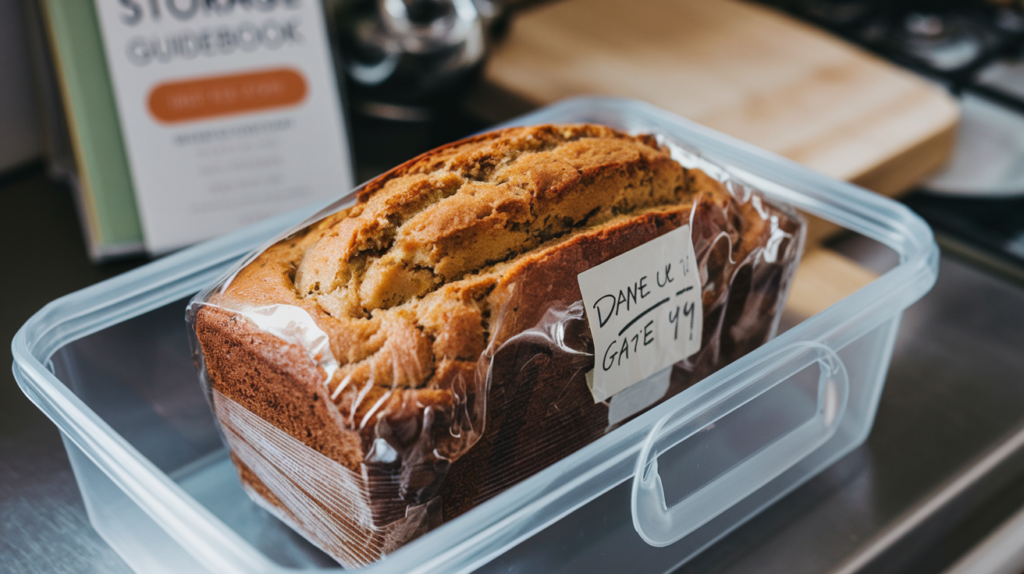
{"points": [[362, 446]]}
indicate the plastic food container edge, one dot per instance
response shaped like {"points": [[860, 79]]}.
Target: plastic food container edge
{"points": [[526, 508]]}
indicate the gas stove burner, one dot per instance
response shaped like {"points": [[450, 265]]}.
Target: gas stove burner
{"points": [[1010, 19], [835, 12], [931, 26], [944, 42]]}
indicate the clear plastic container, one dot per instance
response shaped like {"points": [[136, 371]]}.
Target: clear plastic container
{"points": [[110, 365]]}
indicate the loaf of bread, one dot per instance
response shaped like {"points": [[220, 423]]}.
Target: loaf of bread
{"points": [[402, 360]]}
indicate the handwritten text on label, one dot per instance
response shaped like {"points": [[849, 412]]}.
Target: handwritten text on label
{"points": [[644, 309]]}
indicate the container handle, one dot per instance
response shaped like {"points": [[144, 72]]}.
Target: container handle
{"points": [[659, 525]]}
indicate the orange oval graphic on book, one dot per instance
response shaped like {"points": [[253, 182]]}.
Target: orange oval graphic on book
{"points": [[226, 95]]}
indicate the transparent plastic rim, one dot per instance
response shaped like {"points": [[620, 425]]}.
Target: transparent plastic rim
{"points": [[521, 511]]}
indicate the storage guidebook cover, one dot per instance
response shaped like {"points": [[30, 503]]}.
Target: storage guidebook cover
{"points": [[229, 108]]}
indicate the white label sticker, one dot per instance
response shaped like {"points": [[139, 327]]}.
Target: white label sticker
{"points": [[645, 312]]}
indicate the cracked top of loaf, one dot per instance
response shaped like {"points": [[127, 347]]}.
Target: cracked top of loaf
{"points": [[407, 283]]}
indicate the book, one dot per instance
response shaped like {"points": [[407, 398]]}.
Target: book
{"points": [[101, 178], [186, 119], [231, 112]]}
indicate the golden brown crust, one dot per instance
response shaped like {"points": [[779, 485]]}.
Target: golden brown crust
{"points": [[445, 259], [402, 277]]}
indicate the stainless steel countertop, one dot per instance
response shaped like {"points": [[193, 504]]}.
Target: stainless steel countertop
{"points": [[43, 525], [942, 467]]}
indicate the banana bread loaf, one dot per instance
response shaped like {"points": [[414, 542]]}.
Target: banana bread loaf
{"points": [[423, 375]]}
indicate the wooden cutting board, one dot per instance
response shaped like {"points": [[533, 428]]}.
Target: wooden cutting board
{"points": [[753, 73], [743, 69]]}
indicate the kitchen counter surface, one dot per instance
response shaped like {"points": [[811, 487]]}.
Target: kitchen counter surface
{"points": [[941, 468]]}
